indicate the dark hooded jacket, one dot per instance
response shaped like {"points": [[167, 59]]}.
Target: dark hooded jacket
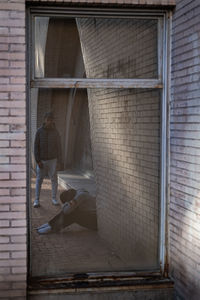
{"points": [[47, 144]]}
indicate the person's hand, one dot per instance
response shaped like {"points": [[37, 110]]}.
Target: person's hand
{"points": [[72, 202], [68, 207], [40, 164]]}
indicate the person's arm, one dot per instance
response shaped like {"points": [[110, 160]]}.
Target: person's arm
{"points": [[70, 206], [59, 151], [37, 149]]}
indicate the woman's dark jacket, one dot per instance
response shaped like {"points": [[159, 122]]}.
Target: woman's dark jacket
{"points": [[47, 144]]}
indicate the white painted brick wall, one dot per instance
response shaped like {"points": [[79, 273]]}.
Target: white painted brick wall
{"points": [[185, 150], [13, 265], [13, 243]]}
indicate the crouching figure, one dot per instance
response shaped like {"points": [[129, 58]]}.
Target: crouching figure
{"points": [[78, 207]]}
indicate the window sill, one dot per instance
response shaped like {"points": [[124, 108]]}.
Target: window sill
{"points": [[91, 282]]}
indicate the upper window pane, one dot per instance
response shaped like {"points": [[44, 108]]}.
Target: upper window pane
{"points": [[96, 48]]}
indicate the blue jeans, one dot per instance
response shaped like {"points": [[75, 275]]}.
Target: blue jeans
{"points": [[49, 169], [83, 218]]}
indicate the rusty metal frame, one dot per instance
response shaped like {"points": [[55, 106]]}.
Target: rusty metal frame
{"points": [[115, 281]]}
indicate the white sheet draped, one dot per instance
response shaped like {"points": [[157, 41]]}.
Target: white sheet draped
{"points": [[41, 30]]}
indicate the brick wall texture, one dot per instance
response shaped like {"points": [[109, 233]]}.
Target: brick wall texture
{"points": [[13, 241], [12, 150], [185, 161], [119, 48], [185, 150], [125, 135]]}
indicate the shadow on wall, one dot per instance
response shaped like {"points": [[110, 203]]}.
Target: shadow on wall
{"points": [[184, 246], [185, 287], [126, 150], [125, 127]]}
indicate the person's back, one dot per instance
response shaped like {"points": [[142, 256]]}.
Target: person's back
{"points": [[47, 144], [87, 201]]}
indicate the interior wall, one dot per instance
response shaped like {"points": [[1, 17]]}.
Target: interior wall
{"points": [[61, 56], [72, 124], [44, 105], [78, 153], [119, 48], [59, 106], [62, 53], [125, 133], [82, 154], [125, 129]]}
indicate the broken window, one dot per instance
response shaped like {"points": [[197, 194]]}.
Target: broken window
{"points": [[104, 79]]}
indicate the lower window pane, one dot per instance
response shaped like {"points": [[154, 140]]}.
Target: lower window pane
{"points": [[110, 141]]}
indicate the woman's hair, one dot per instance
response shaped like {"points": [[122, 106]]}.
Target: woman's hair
{"points": [[68, 195]]}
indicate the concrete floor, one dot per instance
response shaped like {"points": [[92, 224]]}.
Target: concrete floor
{"points": [[75, 249]]}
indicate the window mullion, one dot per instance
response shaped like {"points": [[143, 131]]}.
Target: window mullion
{"points": [[96, 83]]}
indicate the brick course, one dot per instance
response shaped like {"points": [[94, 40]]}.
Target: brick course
{"points": [[185, 129], [12, 130], [127, 171], [185, 143], [125, 135]]}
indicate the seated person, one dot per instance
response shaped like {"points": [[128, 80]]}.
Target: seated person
{"points": [[78, 207]]}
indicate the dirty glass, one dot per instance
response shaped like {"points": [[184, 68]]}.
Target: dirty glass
{"points": [[110, 140], [95, 48]]}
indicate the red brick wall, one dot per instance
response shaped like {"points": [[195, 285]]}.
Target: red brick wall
{"points": [[185, 150], [12, 150]]}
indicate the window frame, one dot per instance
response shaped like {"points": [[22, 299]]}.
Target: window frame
{"points": [[101, 83], [162, 82]]}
